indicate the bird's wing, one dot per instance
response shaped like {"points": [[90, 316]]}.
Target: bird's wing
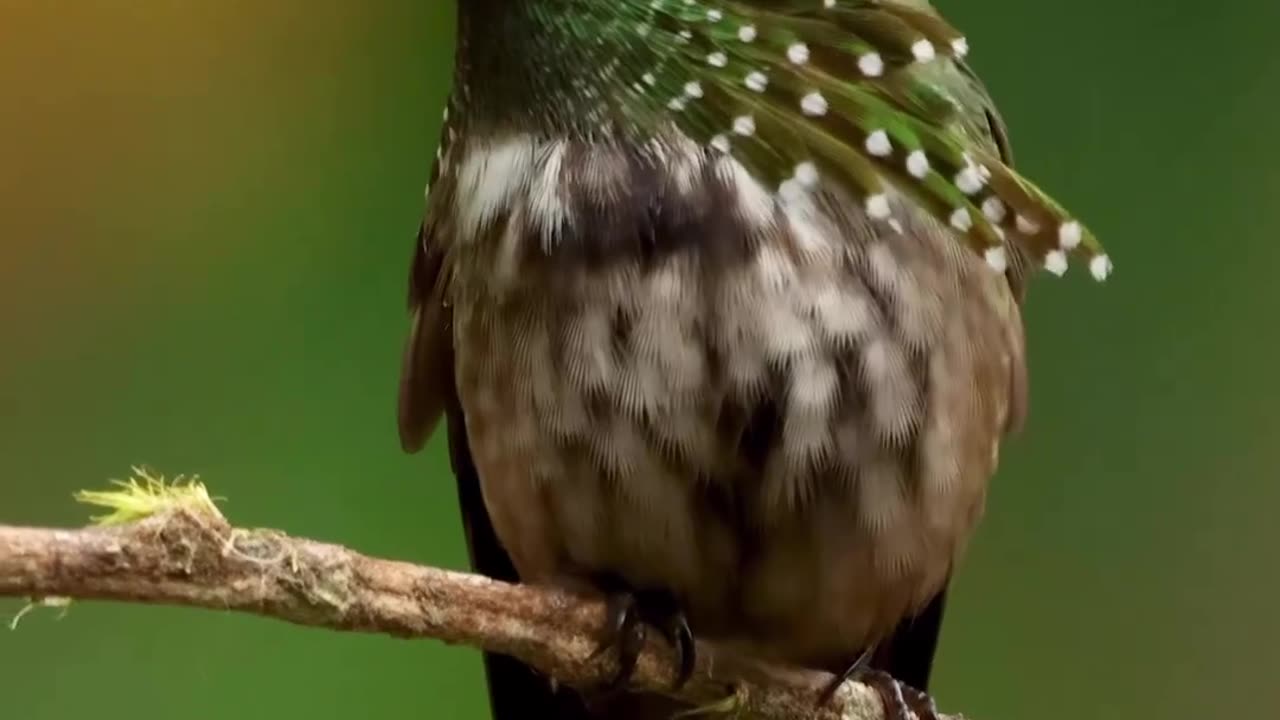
{"points": [[426, 377], [908, 654], [802, 93]]}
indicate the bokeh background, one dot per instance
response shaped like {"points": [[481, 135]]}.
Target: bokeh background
{"points": [[206, 214]]}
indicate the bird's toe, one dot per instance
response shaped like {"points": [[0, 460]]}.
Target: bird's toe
{"points": [[627, 616], [675, 628], [624, 633], [901, 701]]}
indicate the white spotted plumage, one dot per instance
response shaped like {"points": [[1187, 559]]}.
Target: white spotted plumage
{"points": [[814, 104], [742, 49], [878, 144], [774, 95]]}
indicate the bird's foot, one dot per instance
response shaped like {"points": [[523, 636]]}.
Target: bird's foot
{"points": [[628, 614], [901, 701]]}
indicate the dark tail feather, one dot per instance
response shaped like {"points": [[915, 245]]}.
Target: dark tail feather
{"points": [[908, 655]]}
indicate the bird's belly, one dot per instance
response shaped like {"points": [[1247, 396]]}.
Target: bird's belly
{"points": [[797, 451]]}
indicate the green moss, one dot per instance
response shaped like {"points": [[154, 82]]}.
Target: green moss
{"points": [[145, 494]]}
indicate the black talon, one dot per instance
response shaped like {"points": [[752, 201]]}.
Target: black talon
{"points": [[626, 616], [675, 628], [682, 641], [619, 607], [624, 630]]}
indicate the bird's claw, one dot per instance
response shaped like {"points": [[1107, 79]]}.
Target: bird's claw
{"points": [[901, 701], [624, 632], [627, 615], [855, 668], [678, 634]]}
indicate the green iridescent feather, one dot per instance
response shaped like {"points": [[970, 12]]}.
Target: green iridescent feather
{"points": [[871, 94], [792, 86]]}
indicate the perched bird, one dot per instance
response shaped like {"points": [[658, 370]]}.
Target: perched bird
{"points": [[720, 300]]}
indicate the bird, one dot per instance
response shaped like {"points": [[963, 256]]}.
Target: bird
{"points": [[720, 304]]}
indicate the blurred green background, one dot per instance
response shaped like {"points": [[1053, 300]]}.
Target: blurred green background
{"points": [[206, 214]]}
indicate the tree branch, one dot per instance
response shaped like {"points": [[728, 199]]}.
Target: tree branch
{"points": [[194, 557]]}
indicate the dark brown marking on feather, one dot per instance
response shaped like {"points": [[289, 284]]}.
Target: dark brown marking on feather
{"points": [[642, 216]]}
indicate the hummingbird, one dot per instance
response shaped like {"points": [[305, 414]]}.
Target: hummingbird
{"points": [[721, 304]]}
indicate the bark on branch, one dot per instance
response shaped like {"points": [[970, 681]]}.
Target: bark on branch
{"points": [[197, 559]]}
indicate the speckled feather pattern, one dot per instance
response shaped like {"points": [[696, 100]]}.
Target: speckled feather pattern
{"points": [[729, 295], [779, 403]]}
